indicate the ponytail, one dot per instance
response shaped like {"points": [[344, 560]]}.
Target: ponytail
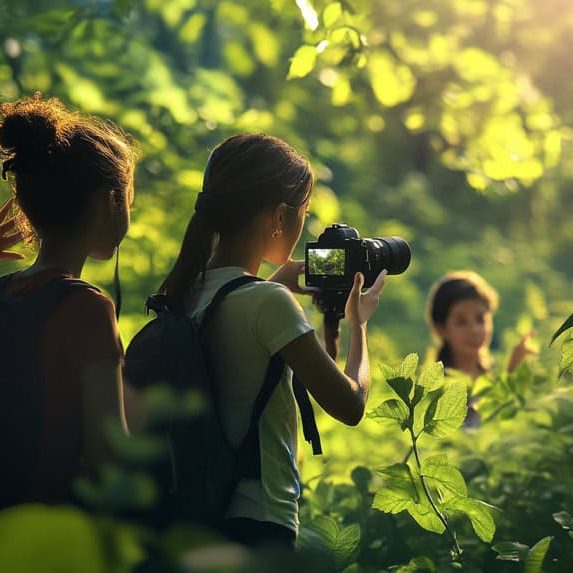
{"points": [[245, 174], [196, 250]]}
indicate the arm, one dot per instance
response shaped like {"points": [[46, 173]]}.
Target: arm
{"points": [[342, 394], [102, 400]]}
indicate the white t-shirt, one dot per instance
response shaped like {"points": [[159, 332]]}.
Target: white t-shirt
{"points": [[252, 324]]}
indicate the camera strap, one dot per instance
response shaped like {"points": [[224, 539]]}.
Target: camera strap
{"points": [[309, 427]]}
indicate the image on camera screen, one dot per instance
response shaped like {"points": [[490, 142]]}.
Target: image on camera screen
{"points": [[326, 262]]}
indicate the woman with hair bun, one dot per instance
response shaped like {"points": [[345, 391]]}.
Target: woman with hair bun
{"points": [[60, 351]]}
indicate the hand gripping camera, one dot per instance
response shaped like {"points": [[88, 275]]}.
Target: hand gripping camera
{"points": [[340, 253]]}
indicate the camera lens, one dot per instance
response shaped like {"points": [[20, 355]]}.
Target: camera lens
{"points": [[397, 254]]}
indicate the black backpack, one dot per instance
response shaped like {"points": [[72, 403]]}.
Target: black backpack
{"points": [[21, 320], [199, 479]]}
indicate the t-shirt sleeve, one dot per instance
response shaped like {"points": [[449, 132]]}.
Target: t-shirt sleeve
{"points": [[280, 318], [93, 334]]}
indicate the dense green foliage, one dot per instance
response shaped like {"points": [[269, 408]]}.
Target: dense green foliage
{"points": [[446, 122]]}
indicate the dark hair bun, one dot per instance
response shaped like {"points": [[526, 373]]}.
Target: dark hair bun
{"points": [[31, 127]]}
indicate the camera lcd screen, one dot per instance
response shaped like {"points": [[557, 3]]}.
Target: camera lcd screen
{"points": [[329, 262]]}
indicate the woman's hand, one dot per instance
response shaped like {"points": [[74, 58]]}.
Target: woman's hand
{"points": [[289, 274], [9, 236], [360, 306], [522, 350]]}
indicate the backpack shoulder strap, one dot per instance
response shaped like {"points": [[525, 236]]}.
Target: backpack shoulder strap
{"points": [[220, 295]]}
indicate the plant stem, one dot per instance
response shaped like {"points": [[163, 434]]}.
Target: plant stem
{"points": [[440, 515]]}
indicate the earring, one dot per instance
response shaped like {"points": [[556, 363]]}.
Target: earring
{"points": [[277, 233]]}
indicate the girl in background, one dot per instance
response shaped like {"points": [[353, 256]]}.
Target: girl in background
{"points": [[460, 312]]}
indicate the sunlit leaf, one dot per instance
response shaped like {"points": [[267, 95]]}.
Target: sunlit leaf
{"points": [[332, 13], [439, 472], [408, 367], [393, 411], [303, 62], [432, 376], [398, 491], [479, 515], [447, 411], [391, 82], [536, 555]]}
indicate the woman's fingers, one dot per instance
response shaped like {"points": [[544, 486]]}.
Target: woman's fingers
{"points": [[376, 288]]}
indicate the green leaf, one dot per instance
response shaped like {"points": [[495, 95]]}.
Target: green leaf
{"points": [[399, 490], [417, 564], [425, 516], [402, 387], [565, 326], [42, 538], [432, 376], [566, 362], [393, 411], [536, 555], [302, 63], [408, 367], [511, 551], [346, 545], [564, 519], [437, 469], [326, 534], [331, 14], [479, 515], [392, 82], [447, 411]]}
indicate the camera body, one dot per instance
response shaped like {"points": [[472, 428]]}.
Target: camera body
{"points": [[340, 253]]}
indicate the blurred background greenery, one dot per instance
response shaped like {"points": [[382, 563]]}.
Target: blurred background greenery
{"points": [[448, 122]]}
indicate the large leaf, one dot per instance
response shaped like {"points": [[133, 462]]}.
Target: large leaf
{"points": [[402, 386], [536, 555], [478, 513], [425, 516], [346, 545], [408, 367], [432, 376], [565, 326], [399, 489], [393, 411], [447, 411], [401, 492], [439, 472], [326, 534]]}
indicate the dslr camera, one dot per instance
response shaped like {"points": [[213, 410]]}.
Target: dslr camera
{"points": [[339, 253]]}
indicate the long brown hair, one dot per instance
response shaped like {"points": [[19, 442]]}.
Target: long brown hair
{"points": [[59, 158], [450, 289], [245, 174]]}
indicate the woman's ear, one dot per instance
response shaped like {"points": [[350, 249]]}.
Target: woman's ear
{"points": [[279, 217]]}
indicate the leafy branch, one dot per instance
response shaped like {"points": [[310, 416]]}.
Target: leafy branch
{"points": [[430, 489]]}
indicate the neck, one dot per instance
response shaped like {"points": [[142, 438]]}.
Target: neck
{"points": [[469, 364], [66, 254], [238, 251]]}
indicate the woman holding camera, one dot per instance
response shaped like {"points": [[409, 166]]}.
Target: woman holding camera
{"points": [[255, 198]]}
